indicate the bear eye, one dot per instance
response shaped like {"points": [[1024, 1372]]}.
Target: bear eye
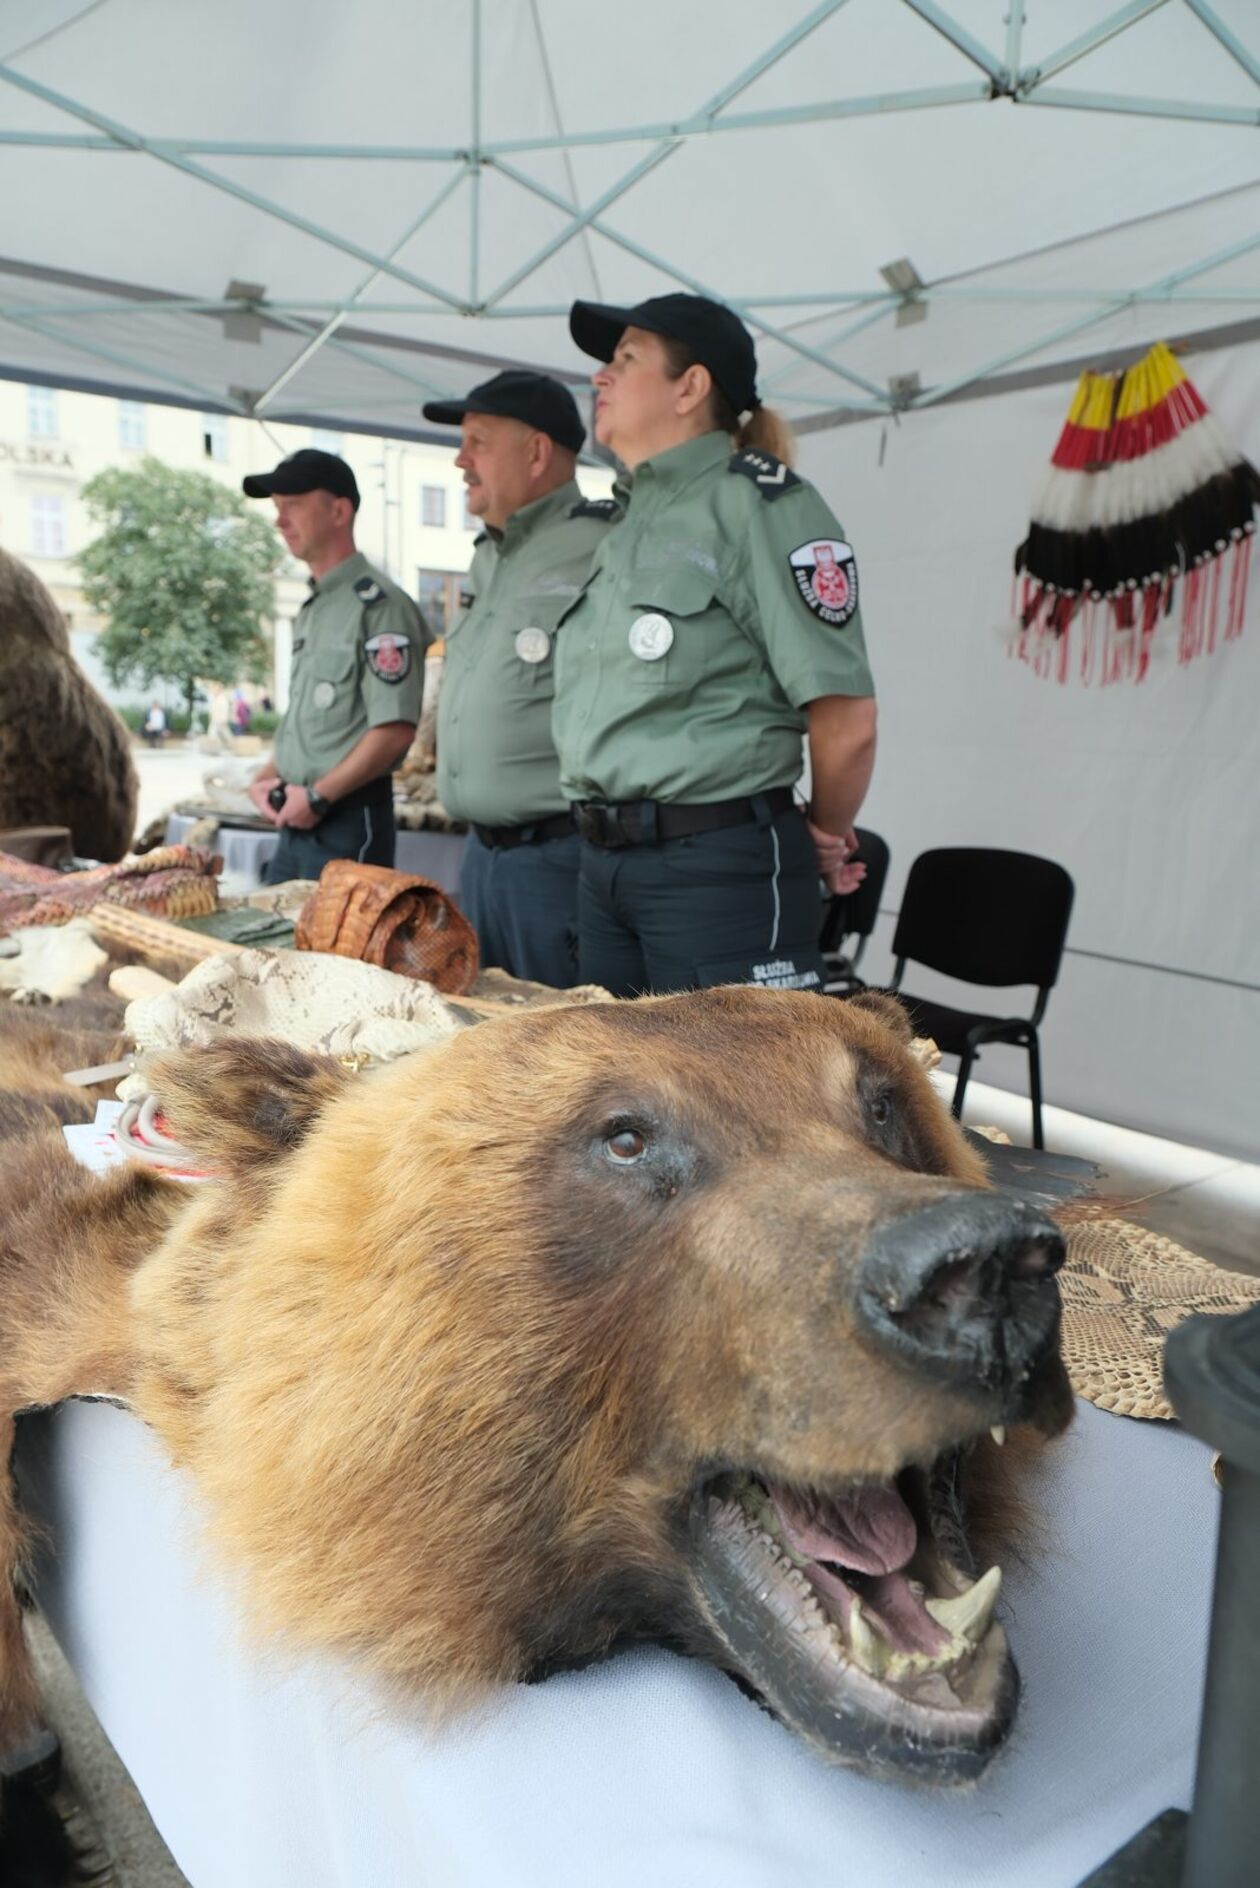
{"points": [[625, 1146], [881, 1110]]}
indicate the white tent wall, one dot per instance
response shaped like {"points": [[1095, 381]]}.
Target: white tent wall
{"points": [[1147, 794]]}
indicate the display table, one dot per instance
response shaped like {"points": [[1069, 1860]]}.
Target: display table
{"points": [[647, 1772], [246, 850]]}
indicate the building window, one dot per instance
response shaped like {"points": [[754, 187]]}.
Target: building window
{"points": [[437, 592], [433, 504], [48, 524], [214, 435], [131, 424], [41, 412], [323, 441]]}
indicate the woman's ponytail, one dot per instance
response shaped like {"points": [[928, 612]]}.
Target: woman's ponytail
{"points": [[767, 431]]}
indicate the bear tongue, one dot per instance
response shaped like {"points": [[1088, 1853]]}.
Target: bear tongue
{"points": [[866, 1529]]}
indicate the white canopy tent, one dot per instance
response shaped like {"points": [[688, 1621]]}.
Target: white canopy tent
{"points": [[327, 214], [330, 213]]}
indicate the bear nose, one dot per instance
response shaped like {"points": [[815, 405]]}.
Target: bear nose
{"points": [[964, 1291]]}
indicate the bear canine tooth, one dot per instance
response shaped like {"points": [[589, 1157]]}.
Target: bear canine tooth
{"points": [[866, 1646], [968, 1616], [998, 1432]]}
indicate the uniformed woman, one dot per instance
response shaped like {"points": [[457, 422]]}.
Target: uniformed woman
{"points": [[720, 624]]}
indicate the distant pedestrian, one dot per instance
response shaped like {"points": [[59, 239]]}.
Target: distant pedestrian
{"points": [[154, 729]]}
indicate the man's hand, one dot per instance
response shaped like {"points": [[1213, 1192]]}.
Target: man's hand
{"points": [[258, 791], [296, 810], [839, 872]]}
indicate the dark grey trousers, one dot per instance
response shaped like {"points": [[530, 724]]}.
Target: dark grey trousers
{"points": [[522, 903], [738, 906], [365, 833]]}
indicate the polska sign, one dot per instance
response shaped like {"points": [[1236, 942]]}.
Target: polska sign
{"points": [[55, 457]]}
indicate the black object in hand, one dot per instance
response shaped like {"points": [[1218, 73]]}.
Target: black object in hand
{"points": [[275, 799]]}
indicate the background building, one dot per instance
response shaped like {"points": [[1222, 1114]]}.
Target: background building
{"points": [[413, 521]]}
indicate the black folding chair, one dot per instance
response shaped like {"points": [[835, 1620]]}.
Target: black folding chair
{"points": [[987, 917], [851, 916]]}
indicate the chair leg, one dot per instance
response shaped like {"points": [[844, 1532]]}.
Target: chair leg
{"points": [[1034, 1088], [960, 1086]]}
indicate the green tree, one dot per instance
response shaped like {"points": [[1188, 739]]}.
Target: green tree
{"points": [[183, 575]]}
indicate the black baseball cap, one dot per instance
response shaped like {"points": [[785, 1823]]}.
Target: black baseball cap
{"points": [[537, 399], [714, 333], [305, 471]]}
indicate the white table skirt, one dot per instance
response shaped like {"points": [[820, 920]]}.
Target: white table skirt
{"points": [[244, 849], [647, 1772], [246, 852]]}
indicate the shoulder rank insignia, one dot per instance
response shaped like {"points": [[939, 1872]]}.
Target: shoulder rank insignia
{"points": [[605, 508], [368, 590], [768, 474]]}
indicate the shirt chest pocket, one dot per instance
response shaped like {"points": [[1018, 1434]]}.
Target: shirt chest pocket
{"points": [[332, 688], [531, 644], [671, 628]]}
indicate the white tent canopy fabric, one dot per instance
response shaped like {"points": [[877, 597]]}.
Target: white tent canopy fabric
{"points": [[329, 214]]}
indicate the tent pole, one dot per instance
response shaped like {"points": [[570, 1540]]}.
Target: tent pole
{"points": [[1232, 44], [1085, 43]]}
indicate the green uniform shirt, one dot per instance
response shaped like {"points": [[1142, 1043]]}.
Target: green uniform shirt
{"points": [[496, 761], [723, 602], [358, 662]]}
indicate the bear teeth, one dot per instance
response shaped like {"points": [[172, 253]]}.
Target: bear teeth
{"points": [[969, 1616]]}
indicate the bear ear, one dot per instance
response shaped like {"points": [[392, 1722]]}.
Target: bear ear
{"points": [[235, 1105], [886, 1009]]}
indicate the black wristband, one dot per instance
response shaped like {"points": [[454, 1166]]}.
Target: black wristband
{"points": [[318, 804]]}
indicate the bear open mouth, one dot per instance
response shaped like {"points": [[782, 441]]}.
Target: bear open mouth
{"points": [[854, 1614]]}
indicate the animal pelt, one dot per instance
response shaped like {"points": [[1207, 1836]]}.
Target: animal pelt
{"points": [[470, 1356], [39, 1045], [65, 757]]}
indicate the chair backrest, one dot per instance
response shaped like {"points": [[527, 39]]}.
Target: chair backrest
{"points": [[853, 914], [985, 916]]}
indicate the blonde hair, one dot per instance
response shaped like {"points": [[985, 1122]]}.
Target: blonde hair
{"points": [[764, 430]]}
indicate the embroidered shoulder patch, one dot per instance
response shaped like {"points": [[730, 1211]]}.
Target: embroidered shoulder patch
{"points": [[389, 657], [466, 599], [368, 590], [825, 573], [606, 508], [771, 477]]}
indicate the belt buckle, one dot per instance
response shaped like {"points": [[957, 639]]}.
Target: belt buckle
{"points": [[600, 825]]}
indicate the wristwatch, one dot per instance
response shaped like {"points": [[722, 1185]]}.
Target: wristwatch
{"points": [[318, 804]]}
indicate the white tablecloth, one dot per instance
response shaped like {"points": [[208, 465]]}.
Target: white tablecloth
{"points": [[648, 1772], [246, 852]]}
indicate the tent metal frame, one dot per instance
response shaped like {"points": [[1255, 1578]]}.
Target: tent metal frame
{"points": [[320, 325]]}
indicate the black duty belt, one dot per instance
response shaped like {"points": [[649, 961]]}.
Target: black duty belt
{"points": [[649, 822], [530, 832]]}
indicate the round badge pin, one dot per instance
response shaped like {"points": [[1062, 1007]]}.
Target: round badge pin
{"points": [[651, 637], [532, 645], [324, 694]]}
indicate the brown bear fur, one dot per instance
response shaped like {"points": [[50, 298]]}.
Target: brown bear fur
{"points": [[443, 1371], [65, 757]]}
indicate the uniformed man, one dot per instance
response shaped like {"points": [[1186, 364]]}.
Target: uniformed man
{"points": [[720, 623], [355, 684], [496, 762]]}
